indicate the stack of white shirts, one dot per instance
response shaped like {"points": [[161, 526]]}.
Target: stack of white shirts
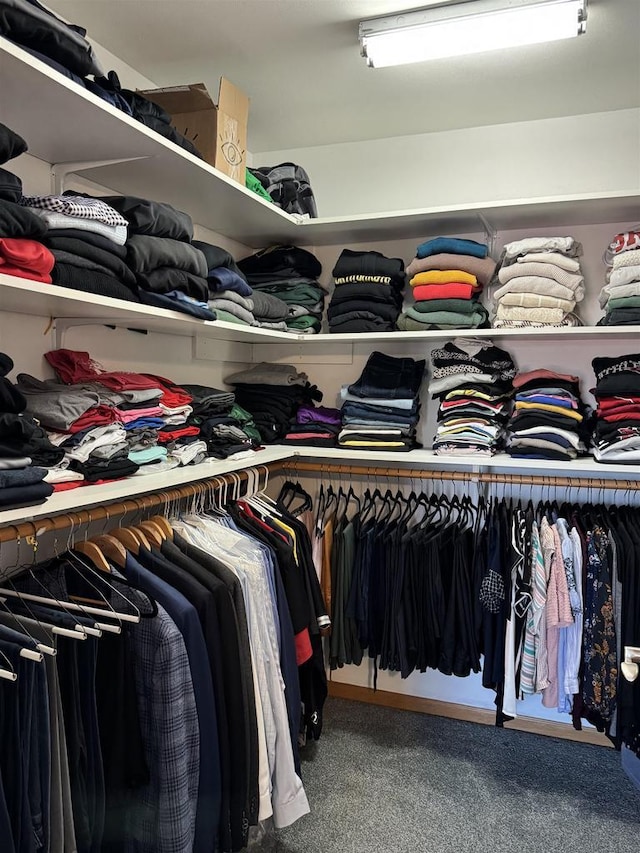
{"points": [[539, 283], [620, 297]]}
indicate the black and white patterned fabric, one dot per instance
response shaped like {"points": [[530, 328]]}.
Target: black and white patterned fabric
{"points": [[76, 205]]}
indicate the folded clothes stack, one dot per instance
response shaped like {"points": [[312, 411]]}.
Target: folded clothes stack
{"points": [[620, 297], [617, 429], [367, 296], [170, 272], [290, 274], [225, 428], [549, 418], [447, 277], [472, 378], [273, 393], [314, 426], [86, 237], [21, 251], [540, 283], [23, 446], [229, 293], [381, 409]]}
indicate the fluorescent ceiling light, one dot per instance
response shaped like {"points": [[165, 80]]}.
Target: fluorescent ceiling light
{"points": [[471, 27]]}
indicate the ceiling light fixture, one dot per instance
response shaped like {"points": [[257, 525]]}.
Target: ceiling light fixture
{"points": [[470, 27]]}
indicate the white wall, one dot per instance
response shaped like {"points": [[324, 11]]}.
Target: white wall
{"points": [[590, 153]]}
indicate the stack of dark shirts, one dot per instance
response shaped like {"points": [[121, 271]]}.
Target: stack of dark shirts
{"points": [[447, 277], [315, 426], [20, 254], [290, 274], [381, 409], [368, 293], [617, 431], [170, 272], [472, 379], [86, 237], [549, 415], [23, 448], [229, 292], [620, 297], [273, 393], [224, 427]]}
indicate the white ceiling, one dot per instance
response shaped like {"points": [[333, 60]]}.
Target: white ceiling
{"points": [[299, 62]]}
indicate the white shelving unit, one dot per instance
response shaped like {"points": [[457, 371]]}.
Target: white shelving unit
{"points": [[121, 153], [85, 497], [75, 131], [73, 308]]}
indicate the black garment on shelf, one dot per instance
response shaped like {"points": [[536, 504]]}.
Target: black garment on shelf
{"points": [[362, 290], [88, 238], [11, 144], [361, 309], [166, 279], [22, 436], [373, 264], [19, 221], [281, 262], [359, 322], [146, 253], [90, 281], [10, 187], [218, 257], [27, 23], [112, 262], [155, 218], [104, 469]]}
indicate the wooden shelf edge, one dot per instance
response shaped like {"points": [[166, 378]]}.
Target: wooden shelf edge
{"points": [[467, 713]]}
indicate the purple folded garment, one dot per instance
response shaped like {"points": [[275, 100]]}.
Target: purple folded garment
{"points": [[319, 415]]}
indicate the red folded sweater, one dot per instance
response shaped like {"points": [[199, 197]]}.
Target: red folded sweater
{"points": [[452, 290], [25, 259]]}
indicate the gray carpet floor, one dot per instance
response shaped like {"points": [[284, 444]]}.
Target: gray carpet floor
{"points": [[400, 782]]}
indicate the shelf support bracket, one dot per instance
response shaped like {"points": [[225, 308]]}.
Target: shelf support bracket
{"points": [[60, 171], [490, 233]]}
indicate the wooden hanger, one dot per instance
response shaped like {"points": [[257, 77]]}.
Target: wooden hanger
{"points": [[163, 524], [129, 538], [111, 548], [152, 532], [93, 552]]}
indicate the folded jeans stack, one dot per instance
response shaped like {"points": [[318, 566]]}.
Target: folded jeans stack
{"points": [[617, 430], [473, 380], [22, 480], [620, 297], [382, 408], [291, 274], [86, 236], [367, 296], [447, 277], [273, 393], [549, 418], [540, 283]]}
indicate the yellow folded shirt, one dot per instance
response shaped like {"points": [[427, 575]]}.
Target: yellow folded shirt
{"points": [[354, 443], [545, 407], [444, 277]]}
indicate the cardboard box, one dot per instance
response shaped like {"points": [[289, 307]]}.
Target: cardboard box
{"points": [[218, 132]]}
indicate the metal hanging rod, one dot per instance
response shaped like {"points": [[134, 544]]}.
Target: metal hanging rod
{"points": [[296, 466]]}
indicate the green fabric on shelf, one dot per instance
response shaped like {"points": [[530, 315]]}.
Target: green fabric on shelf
{"points": [[458, 306], [253, 184], [230, 318], [623, 302]]}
